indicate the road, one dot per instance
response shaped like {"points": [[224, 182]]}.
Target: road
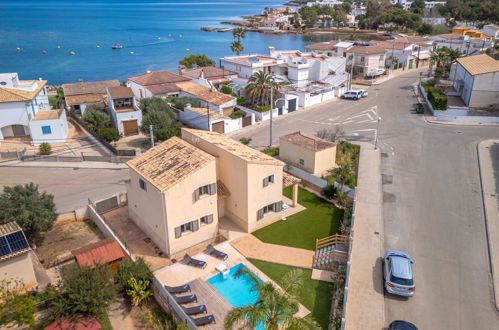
{"points": [[71, 187], [431, 200]]}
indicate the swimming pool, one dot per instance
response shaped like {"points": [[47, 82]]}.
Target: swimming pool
{"points": [[237, 291]]}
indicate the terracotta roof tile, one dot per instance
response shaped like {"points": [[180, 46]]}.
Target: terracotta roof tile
{"points": [[308, 141], [77, 323], [366, 50], [94, 99], [322, 45], [205, 93], [20, 95], [157, 78], [289, 180], [479, 64], [169, 162], [210, 72], [91, 87], [102, 252], [120, 92]]}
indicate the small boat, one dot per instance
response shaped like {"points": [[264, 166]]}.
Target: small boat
{"points": [[116, 46], [44, 52], [72, 53], [98, 46], [132, 53]]}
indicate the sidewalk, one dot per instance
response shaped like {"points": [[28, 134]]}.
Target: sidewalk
{"points": [[364, 307], [488, 162], [90, 165]]}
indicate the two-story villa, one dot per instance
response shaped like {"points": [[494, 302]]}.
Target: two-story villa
{"points": [[126, 114], [25, 111]]}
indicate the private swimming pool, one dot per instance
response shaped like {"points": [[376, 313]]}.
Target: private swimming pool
{"points": [[237, 291]]}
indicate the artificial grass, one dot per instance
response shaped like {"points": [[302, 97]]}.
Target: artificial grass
{"points": [[319, 220], [314, 295]]}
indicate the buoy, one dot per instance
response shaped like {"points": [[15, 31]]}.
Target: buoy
{"points": [[18, 49], [132, 53], [98, 46], [72, 53], [58, 46], [44, 52]]}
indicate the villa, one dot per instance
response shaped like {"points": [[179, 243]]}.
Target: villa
{"points": [[331, 48], [401, 53], [25, 112], [181, 191], [127, 116], [208, 97], [80, 96], [366, 60], [209, 74], [156, 84]]}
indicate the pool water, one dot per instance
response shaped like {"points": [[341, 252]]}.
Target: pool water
{"points": [[237, 291]]}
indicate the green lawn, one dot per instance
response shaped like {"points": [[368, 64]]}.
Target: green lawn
{"points": [[319, 220], [314, 295]]}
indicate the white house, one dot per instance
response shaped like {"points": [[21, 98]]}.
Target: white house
{"points": [[208, 75], [25, 111], [407, 3], [476, 78], [80, 96], [463, 44], [210, 120], [403, 52], [208, 97], [331, 48], [156, 84], [491, 31], [126, 114]]}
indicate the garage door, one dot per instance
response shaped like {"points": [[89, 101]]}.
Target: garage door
{"points": [[18, 130], [292, 105], [218, 127], [130, 127]]}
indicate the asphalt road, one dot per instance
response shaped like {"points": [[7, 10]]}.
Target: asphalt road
{"points": [[431, 200], [71, 187]]}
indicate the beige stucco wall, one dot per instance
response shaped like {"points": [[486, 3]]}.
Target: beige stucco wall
{"points": [[182, 208], [21, 268], [324, 161], [146, 209], [316, 163], [484, 99]]}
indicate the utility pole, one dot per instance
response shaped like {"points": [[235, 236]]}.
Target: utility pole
{"points": [[417, 60], [151, 132], [351, 71], [271, 105], [208, 115], [376, 133]]}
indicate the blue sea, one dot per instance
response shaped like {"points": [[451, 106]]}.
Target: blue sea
{"points": [[159, 33]]}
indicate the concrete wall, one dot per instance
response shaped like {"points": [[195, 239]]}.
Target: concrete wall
{"points": [[14, 113], [59, 128], [317, 163], [21, 268], [196, 120], [485, 90], [138, 90]]}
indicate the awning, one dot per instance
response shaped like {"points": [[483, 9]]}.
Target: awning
{"points": [[289, 180]]}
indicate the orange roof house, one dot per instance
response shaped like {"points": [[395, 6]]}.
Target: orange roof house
{"points": [[106, 251]]}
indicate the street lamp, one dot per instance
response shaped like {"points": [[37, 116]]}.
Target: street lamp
{"points": [[376, 134]]}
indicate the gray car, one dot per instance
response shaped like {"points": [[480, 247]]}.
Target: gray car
{"points": [[397, 273]]}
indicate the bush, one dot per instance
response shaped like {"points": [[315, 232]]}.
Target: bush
{"points": [[237, 114], [226, 90], [329, 191], [132, 269], [17, 309], [109, 134], [196, 59], [261, 108], [241, 101], [437, 99], [165, 133], [271, 151], [244, 140], [95, 119], [45, 148]]}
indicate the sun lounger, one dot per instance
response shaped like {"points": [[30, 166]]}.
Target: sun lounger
{"points": [[214, 252], [178, 289], [204, 320], [195, 310], [194, 262], [186, 299]]}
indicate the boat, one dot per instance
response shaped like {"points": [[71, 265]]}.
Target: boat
{"points": [[116, 46]]}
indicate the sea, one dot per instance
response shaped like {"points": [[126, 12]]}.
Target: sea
{"points": [[66, 41]]}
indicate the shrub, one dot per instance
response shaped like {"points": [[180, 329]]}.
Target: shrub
{"points": [[237, 114], [95, 119], [181, 102], [17, 309], [244, 140], [437, 99], [262, 108], [132, 269], [45, 148], [109, 134], [329, 191], [241, 101], [226, 90], [196, 59], [271, 151], [165, 133]]}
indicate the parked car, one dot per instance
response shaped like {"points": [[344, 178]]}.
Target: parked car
{"points": [[402, 325], [364, 92], [397, 273], [352, 94], [376, 72]]}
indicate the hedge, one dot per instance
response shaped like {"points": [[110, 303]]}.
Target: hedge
{"points": [[437, 99]]}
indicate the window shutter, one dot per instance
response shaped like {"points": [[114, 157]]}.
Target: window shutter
{"points": [[213, 189], [195, 225], [278, 206], [178, 233], [259, 214], [271, 178], [265, 182], [209, 219], [196, 194]]}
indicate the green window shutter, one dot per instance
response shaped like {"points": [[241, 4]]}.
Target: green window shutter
{"points": [[195, 225], [178, 233]]}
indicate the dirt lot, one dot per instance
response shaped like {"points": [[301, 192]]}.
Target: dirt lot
{"points": [[58, 243]]}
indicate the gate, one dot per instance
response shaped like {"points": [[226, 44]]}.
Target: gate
{"points": [[292, 105], [246, 121], [218, 127], [107, 204], [131, 127]]}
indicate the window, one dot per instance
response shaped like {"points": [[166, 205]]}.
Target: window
{"points": [[142, 184], [209, 189], [274, 207], [302, 162], [206, 220], [46, 130], [187, 227], [381, 57], [268, 180], [362, 59]]}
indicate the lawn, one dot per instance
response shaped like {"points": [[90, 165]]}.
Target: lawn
{"points": [[314, 295], [319, 220]]}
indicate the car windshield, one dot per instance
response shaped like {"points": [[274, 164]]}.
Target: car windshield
{"points": [[401, 281]]}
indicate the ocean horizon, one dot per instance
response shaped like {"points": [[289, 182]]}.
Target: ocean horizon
{"points": [[37, 37]]}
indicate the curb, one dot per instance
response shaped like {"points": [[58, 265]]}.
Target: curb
{"points": [[491, 250], [78, 165]]}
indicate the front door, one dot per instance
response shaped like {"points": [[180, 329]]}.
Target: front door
{"points": [[130, 127], [18, 130], [410, 63], [292, 105]]}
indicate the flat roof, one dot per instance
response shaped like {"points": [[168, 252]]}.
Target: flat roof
{"points": [[19, 95], [47, 115]]}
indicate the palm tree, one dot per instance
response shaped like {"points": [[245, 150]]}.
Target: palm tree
{"points": [[237, 47], [273, 309], [239, 33], [259, 86], [342, 174]]}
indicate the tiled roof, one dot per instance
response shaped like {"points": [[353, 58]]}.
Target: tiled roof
{"points": [[75, 323], [102, 252], [9, 228], [120, 92], [91, 87], [210, 72], [95, 99], [222, 190], [20, 95], [234, 147], [449, 36], [391, 44], [205, 93], [47, 115], [163, 88], [366, 50], [157, 78], [479, 64], [322, 46], [413, 39], [308, 141], [169, 162], [289, 180], [213, 114]]}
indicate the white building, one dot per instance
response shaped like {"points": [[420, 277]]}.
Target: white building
{"points": [[330, 3], [463, 44], [491, 31], [331, 48], [156, 84], [126, 114], [407, 3], [25, 111], [406, 53], [208, 97], [82, 95]]}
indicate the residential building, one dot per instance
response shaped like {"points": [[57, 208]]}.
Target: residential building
{"points": [[80, 96], [402, 53], [476, 79], [407, 3], [307, 152], [126, 114], [435, 20], [156, 84], [209, 97], [180, 189], [491, 31], [203, 118], [15, 256], [463, 44], [214, 75], [246, 65], [25, 112], [468, 31], [330, 3], [331, 48], [106, 251], [366, 60]]}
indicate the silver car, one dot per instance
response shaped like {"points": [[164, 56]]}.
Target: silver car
{"points": [[352, 95], [397, 273]]}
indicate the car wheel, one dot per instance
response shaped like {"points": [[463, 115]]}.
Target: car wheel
{"points": [[356, 98]]}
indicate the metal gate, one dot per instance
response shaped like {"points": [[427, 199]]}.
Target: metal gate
{"points": [[107, 204], [218, 127], [246, 121], [292, 105]]}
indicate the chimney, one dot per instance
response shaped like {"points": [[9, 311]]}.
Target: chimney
{"points": [[202, 74], [148, 70]]}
